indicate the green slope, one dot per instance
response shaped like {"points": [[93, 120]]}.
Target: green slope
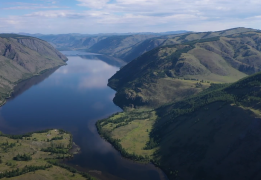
{"points": [[149, 44], [212, 135], [129, 47], [218, 59]]}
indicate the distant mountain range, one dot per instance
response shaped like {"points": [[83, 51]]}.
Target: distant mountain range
{"points": [[119, 45], [105, 34]]}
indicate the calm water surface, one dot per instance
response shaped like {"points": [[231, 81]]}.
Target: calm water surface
{"points": [[73, 98]]}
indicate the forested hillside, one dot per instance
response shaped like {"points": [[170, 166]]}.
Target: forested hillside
{"points": [[212, 135]]}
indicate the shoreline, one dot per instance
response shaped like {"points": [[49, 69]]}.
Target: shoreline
{"points": [[22, 80], [55, 150], [111, 141]]}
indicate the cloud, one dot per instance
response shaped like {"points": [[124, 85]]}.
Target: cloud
{"points": [[56, 14], [96, 4], [101, 16], [32, 6], [209, 8]]}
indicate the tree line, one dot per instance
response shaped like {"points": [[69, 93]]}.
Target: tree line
{"points": [[71, 169], [23, 157], [24, 170]]}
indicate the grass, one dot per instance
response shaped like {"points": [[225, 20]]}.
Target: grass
{"points": [[133, 135], [55, 172], [33, 146], [218, 127], [163, 91]]}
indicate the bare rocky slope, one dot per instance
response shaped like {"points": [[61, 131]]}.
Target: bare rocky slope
{"points": [[22, 57]]}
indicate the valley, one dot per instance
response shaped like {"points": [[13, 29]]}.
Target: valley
{"points": [[191, 102], [73, 98], [130, 90]]}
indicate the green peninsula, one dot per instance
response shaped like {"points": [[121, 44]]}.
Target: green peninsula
{"points": [[37, 156]]}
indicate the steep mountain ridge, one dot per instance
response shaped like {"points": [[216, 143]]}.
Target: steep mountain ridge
{"points": [[149, 44], [131, 45], [22, 57], [218, 59]]}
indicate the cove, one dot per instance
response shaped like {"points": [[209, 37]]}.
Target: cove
{"points": [[73, 98]]}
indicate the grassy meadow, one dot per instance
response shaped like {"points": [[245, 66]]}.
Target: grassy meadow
{"points": [[37, 152]]}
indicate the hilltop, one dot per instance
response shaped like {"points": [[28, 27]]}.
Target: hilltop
{"points": [[172, 72], [142, 47], [22, 57]]}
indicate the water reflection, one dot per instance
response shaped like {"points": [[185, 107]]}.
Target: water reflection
{"points": [[92, 75], [27, 84], [73, 98], [107, 59], [93, 56]]}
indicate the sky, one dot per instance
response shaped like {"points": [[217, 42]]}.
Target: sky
{"points": [[123, 16]]}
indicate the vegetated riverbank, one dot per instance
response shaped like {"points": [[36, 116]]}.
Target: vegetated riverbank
{"points": [[129, 132], [37, 155]]}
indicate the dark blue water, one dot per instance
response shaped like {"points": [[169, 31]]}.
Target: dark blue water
{"points": [[73, 98]]}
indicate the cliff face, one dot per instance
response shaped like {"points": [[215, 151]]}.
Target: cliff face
{"points": [[22, 57]]}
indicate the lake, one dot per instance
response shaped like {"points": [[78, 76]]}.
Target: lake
{"points": [[73, 98]]}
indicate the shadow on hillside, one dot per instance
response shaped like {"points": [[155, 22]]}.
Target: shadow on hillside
{"points": [[218, 141]]}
